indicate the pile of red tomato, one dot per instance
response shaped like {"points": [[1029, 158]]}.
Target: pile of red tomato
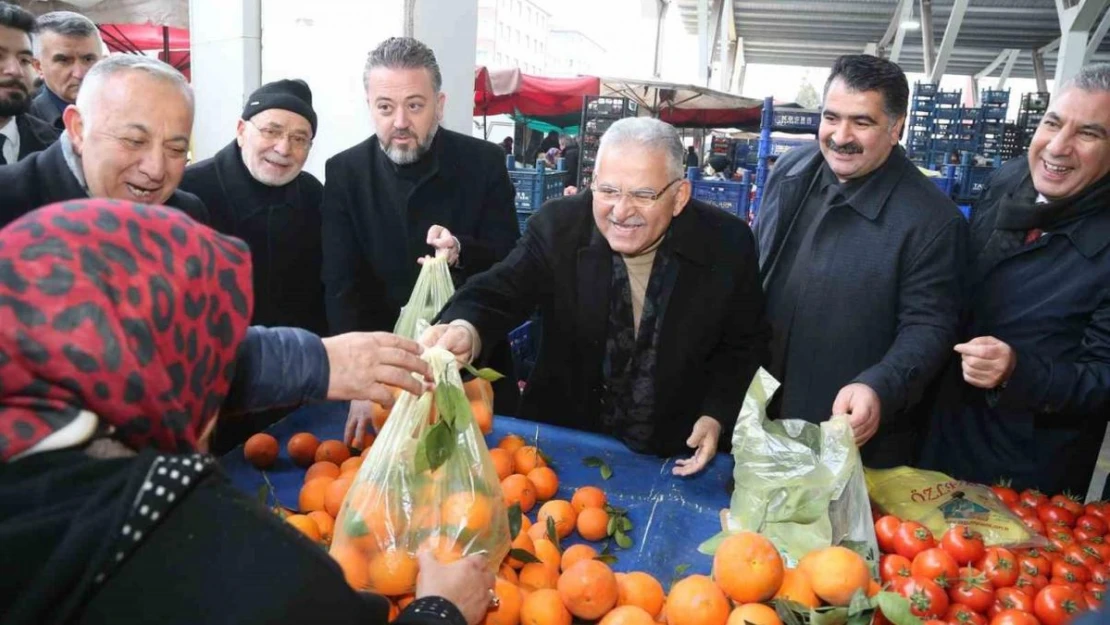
{"points": [[958, 580]]}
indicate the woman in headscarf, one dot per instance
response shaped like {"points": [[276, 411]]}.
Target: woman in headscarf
{"points": [[119, 331]]}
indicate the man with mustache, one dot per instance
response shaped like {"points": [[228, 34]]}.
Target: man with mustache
{"points": [[67, 46], [126, 138], [1029, 388], [255, 189], [20, 133], [652, 311], [411, 190], [861, 258]]}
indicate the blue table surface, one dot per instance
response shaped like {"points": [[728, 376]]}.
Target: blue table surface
{"points": [[671, 515]]}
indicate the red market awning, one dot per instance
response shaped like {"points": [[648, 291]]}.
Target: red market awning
{"points": [[510, 92]]}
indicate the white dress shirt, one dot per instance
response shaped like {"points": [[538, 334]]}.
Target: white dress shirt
{"points": [[11, 141]]}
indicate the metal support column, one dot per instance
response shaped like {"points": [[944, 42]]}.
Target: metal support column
{"points": [[955, 20], [927, 41]]}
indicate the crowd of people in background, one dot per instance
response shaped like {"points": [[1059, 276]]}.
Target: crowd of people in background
{"points": [[154, 310]]}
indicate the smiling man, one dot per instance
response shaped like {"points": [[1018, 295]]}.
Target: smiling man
{"points": [[66, 48], [652, 312], [126, 138], [1030, 388], [410, 190], [860, 256]]}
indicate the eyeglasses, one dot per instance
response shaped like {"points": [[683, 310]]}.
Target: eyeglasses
{"points": [[641, 198], [297, 140]]}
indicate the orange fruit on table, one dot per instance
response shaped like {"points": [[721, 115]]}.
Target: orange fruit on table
{"points": [[518, 489], [483, 415], [835, 573], [477, 388], [642, 590], [523, 542], [404, 600], [795, 587], [356, 568], [306, 526], [754, 614], [325, 523], [576, 553], [511, 443], [332, 451], [351, 465], [536, 575], [588, 589], [545, 481], [321, 469], [873, 589], [502, 462], [442, 547], [748, 568], [544, 607], [588, 497], [509, 601], [593, 523], [302, 448], [537, 532], [335, 493], [261, 450], [367, 441], [313, 494], [508, 574], [548, 554], [394, 611], [696, 600], [627, 615], [561, 511], [527, 458], [467, 510], [379, 414], [393, 572]]}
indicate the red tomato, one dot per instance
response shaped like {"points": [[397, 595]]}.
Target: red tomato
{"points": [[927, 599], [885, 529], [1067, 501], [1091, 523], [938, 565], [1055, 605], [1051, 514], [1008, 495], [962, 615], [1031, 584], [1061, 538], [1024, 511], [1034, 525], [1091, 600], [1013, 599], [1014, 617], [1096, 508], [1032, 498], [973, 590], [1098, 589], [1078, 587], [1101, 547], [1034, 563], [1071, 572], [934, 621], [1083, 536], [964, 544], [1052, 552], [911, 539], [1082, 554], [893, 566], [1000, 566]]}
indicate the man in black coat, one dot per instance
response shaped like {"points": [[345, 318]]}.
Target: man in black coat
{"points": [[115, 145], [652, 310], [20, 133], [569, 146], [410, 190], [861, 258], [1029, 392], [67, 46], [255, 189]]}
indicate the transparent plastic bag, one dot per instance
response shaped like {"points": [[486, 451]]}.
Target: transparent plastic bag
{"points": [[432, 290], [800, 484], [939, 501], [428, 483]]}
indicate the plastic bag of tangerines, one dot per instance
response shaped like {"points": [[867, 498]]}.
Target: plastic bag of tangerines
{"points": [[428, 483]]}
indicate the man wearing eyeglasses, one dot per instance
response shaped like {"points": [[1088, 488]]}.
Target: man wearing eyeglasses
{"points": [[652, 309], [255, 189]]}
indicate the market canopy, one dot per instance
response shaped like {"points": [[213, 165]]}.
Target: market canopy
{"points": [[686, 106], [540, 101], [174, 13], [136, 38]]}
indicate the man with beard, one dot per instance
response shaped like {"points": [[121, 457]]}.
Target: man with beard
{"points": [[126, 139], [67, 46], [20, 133], [861, 257], [255, 189], [1028, 393], [411, 190]]}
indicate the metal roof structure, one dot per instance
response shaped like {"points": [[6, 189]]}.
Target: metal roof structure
{"points": [[814, 32]]}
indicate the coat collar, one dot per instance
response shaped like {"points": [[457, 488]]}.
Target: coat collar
{"points": [[34, 134], [868, 197], [245, 195]]}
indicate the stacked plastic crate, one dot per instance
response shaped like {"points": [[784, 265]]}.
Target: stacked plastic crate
{"points": [[992, 121], [598, 113], [921, 114], [948, 132], [1011, 142], [1033, 107]]}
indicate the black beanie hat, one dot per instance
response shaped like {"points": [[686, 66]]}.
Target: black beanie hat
{"points": [[288, 95]]}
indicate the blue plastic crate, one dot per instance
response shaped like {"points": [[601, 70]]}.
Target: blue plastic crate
{"points": [[943, 184], [970, 180], [523, 345], [728, 196], [534, 187], [924, 89], [948, 97], [521, 217]]}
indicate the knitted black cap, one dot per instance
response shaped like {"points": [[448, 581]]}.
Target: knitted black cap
{"points": [[288, 95]]}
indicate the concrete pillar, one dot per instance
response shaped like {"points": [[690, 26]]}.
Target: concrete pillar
{"points": [[703, 43], [1039, 73], [928, 45], [1075, 25], [225, 48]]}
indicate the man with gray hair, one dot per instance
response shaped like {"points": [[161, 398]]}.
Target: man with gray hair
{"points": [[411, 190], [68, 44], [1029, 387], [652, 310], [126, 138]]}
